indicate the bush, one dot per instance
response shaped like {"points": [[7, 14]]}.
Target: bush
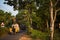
{"points": [[3, 31], [38, 34], [56, 35]]}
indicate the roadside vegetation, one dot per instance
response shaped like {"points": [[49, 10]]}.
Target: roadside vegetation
{"points": [[3, 31], [41, 18]]}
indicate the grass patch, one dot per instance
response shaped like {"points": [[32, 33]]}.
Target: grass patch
{"points": [[40, 35]]}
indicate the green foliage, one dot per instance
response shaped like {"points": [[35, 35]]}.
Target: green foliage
{"points": [[38, 34], [5, 17], [3, 31], [27, 11], [22, 16], [19, 4]]}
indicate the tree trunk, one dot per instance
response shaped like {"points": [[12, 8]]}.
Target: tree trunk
{"points": [[52, 21], [52, 31]]}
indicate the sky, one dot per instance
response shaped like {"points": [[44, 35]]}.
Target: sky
{"points": [[7, 8]]}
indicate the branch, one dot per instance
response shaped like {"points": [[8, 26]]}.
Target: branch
{"points": [[57, 10], [55, 16], [56, 13], [56, 2]]}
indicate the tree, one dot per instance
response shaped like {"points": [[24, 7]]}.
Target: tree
{"points": [[5, 17], [28, 5], [44, 5], [53, 17], [54, 8]]}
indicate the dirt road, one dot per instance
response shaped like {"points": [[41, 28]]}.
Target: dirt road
{"points": [[18, 36]]}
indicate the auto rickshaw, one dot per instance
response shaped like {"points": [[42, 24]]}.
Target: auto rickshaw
{"points": [[14, 29]]}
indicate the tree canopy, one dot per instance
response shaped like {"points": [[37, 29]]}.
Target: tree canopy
{"points": [[5, 17]]}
